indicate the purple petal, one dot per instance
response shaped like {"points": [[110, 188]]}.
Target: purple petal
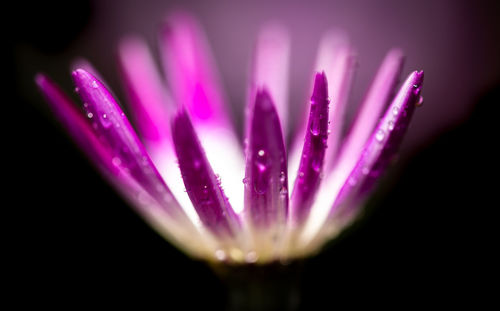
{"points": [[190, 70], [113, 129], [266, 184], [271, 66], [313, 153], [147, 95], [75, 123], [337, 58], [382, 145], [202, 185], [82, 63], [380, 93]]}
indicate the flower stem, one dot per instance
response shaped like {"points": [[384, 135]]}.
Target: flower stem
{"points": [[272, 286]]}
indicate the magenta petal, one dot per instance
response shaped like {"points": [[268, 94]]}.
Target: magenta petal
{"points": [[382, 145], [266, 182], [202, 185], [148, 97], [75, 123], [313, 153], [191, 71], [271, 66], [113, 129], [377, 98]]}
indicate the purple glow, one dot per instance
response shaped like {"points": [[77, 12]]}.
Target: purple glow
{"points": [[190, 69]]}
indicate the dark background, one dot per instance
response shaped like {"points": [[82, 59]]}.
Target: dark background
{"points": [[428, 238]]}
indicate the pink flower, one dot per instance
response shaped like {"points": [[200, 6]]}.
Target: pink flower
{"points": [[184, 174]]}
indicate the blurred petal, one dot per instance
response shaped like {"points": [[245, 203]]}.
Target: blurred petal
{"points": [[313, 153], [190, 70], [381, 147], [271, 67], [202, 185], [377, 98], [148, 98], [152, 106], [337, 59]]}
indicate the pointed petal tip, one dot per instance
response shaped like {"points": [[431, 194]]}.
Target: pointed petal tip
{"points": [[263, 100], [84, 79], [40, 79], [396, 53], [320, 90], [80, 76], [418, 77], [180, 116]]}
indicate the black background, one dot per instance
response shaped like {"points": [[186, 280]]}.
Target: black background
{"points": [[429, 236]]}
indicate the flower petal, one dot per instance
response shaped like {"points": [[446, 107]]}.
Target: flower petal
{"points": [[313, 153], [266, 181], [148, 97], [75, 123], [271, 67], [377, 98], [190, 70], [381, 147], [337, 59], [177, 231], [202, 185], [152, 106], [113, 129]]}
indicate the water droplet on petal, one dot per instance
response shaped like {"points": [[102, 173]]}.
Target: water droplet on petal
{"points": [[77, 89], [316, 164], [282, 177], [315, 126], [261, 153], [90, 115], [365, 170], [390, 126], [395, 110], [283, 191], [116, 161], [262, 167], [379, 136], [94, 84], [420, 101], [105, 121]]}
